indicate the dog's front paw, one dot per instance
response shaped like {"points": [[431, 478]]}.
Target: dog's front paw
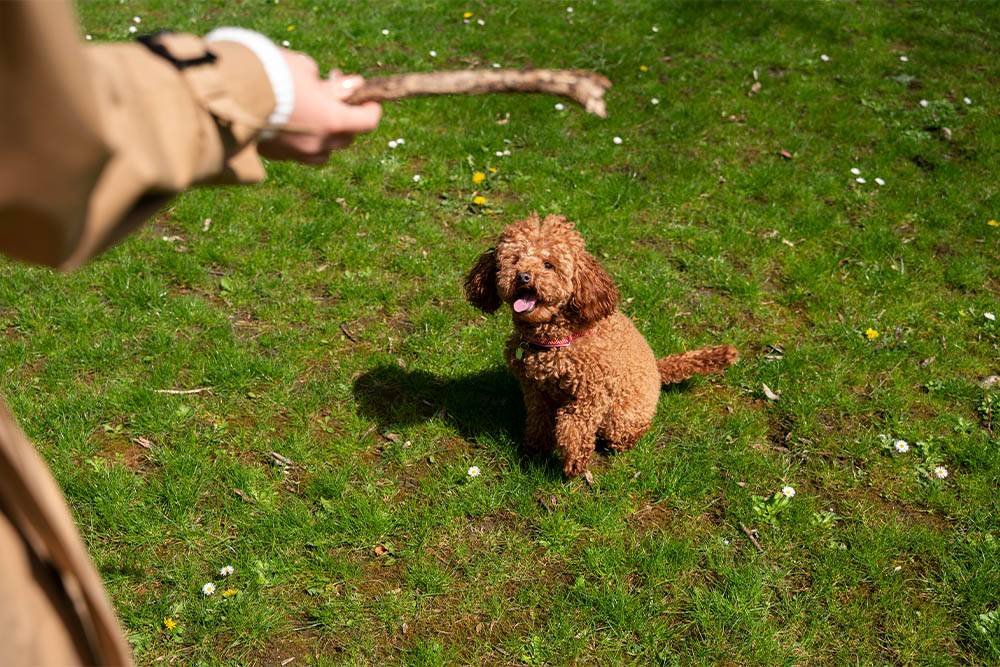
{"points": [[575, 465]]}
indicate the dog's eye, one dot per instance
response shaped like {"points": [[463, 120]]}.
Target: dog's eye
{"points": [[548, 266]]}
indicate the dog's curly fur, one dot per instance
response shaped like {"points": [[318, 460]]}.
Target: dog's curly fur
{"points": [[606, 383]]}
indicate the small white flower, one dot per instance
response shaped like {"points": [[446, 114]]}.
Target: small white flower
{"points": [[499, 153], [400, 142], [725, 541], [880, 181], [924, 103], [860, 180], [88, 37], [385, 31], [788, 492], [655, 101], [434, 54], [560, 106], [208, 589], [855, 171], [132, 29], [474, 471], [825, 58], [940, 472], [226, 570], [393, 143], [901, 446], [416, 178], [897, 568], [136, 19], [496, 65], [480, 22], [617, 140], [656, 28], [506, 152], [285, 43], [569, 10], [967, 100], [904, 59], [990, 316]]}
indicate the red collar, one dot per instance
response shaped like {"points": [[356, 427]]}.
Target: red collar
{"points": [[536, 344]]}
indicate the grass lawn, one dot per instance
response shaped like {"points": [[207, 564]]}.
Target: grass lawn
{"points": [[324, 311]]}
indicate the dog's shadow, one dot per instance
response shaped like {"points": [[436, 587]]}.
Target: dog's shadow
{"points": [[484, 407]]}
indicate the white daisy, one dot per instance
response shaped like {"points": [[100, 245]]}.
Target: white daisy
{"points": [[990, 316], [788, 492], [496, 65], [855, 171], [860, 180], [967, 100], [655, 101], [617, 140], [825, 58], [560, 106], [208, 589], [400, 142], [385, 31], [88, 37], [569, 10], [656, 28], [940, 472], [136, 19], [474, 471], [285, 43], [480, 22], [924, 103], [904, 59], [901, 446], [880, 181], [434, 54], [226, 570], [416, 178], [132, 29], [499, 153], [392, 143]]}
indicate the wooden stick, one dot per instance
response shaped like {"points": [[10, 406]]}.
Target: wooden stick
{"points": [[750, 536], [182, 392], [585, 88]]}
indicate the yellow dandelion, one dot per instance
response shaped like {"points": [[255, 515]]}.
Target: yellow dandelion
{"points": [[643, 68], [478, 177], [993, 223], [871, 334], [169, 623], [479, 200], [291, 28], [229, 592], [467, 15], [492, 170]]}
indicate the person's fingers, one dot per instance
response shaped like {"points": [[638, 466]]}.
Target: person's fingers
{"points": [[337, 141], [353, 119], [341, 86]]}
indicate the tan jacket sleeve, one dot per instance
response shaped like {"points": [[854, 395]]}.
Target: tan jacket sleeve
{"points": [[93, 140]]}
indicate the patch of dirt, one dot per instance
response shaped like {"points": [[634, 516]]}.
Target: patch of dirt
{"points": [[116, 448]]}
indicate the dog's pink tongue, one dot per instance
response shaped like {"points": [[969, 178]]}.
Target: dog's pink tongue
{"points": [[523, 305]]}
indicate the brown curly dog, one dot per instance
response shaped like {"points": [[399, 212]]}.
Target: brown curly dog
{"points": [[585, 370]]}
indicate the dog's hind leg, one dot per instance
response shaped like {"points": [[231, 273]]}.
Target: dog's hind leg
{"points": [[622, 431]]}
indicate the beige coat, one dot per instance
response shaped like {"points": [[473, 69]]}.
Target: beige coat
{"points": [[93, 140]]}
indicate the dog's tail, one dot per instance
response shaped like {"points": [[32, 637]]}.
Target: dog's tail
{"points": [[677, 367]]}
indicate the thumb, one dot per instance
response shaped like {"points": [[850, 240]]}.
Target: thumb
{"points": [[341, 86]]}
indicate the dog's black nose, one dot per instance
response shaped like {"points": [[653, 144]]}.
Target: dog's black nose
{"points": [[523, 278]]}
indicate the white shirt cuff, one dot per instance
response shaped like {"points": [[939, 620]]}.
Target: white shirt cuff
{"points": [[275, 66]]}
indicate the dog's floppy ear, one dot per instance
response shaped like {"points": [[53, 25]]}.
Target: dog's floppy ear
{"points": [[594, 293], [481, 283]]}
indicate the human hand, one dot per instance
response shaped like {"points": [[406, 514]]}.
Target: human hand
{"points": [[321, 121]]}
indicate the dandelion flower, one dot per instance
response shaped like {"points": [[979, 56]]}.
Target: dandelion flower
{"points": [[226, 570], [416, 178], [880, 181], [492, 170], [478, 177], [559, 106], [825, 58], [467, 15], [169, 623], [993, 223], [617, 141], [924, 103], [229, 592], [655, 101], [208, 589], [643, 68], [940, 472], [990, 316], [788, 491], [871, 334], [474, 471], [901, 446], [479, 200]]}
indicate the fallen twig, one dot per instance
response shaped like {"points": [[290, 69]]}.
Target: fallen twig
{"points": [[751, 537], [344, 330], [182, 392], [585, 88]]}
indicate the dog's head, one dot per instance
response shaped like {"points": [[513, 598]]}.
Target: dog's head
{"points": [[543, 271]]}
